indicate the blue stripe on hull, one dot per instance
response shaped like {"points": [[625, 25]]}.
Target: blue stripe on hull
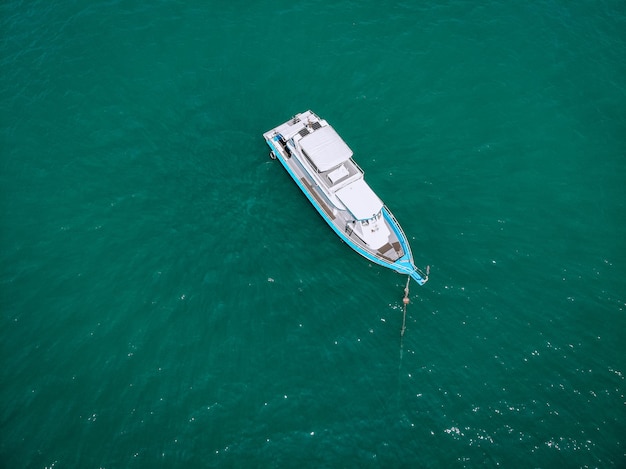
{"points": [[404, 265]]}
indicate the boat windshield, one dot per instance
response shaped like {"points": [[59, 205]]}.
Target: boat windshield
{"points": [[372, 219]]}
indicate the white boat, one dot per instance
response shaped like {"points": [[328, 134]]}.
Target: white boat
{"points": [[321, 164]]}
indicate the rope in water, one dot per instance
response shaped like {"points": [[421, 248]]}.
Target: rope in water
{"points": [[405, 301]]}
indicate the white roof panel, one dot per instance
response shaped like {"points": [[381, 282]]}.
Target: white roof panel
{"points": [[325, 148], [360, 200]]}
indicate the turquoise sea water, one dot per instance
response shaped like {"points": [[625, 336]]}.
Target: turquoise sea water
{"points": [[168, 298]]}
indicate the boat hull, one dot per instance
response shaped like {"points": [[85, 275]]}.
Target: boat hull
{"points": [[396, 254]]}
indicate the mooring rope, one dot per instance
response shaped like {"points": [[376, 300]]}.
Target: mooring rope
{"points": [[405, 301]]}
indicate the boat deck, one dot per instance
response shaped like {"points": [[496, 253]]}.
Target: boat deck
{"points": [[318, 198], [391, 251]]}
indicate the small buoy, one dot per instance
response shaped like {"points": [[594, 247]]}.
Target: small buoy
{"points": [[405, 300]]}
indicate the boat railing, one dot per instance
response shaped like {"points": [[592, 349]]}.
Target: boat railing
{"points": [[357, 166], [405, 240], [399, 228]]}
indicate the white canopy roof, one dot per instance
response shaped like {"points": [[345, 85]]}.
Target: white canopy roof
{"points": [[360, 200], [325, 148]]}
